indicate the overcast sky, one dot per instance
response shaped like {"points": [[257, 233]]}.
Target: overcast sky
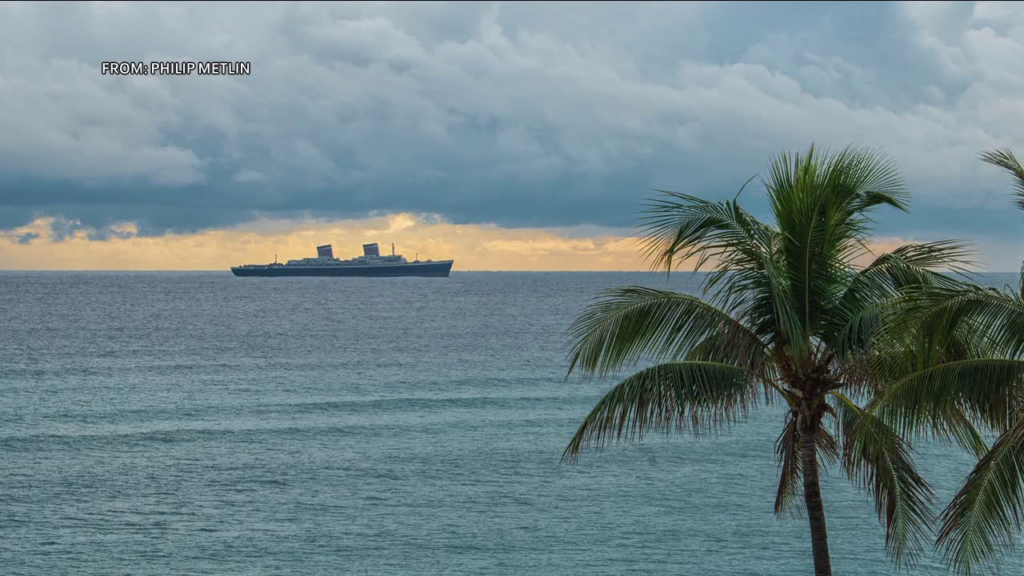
{"points": [[551, 117]]}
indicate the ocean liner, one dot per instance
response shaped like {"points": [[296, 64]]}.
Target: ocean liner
{"points": [[371, 263]]}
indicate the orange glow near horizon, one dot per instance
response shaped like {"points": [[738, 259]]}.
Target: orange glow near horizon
{"points": [[472, 246]]}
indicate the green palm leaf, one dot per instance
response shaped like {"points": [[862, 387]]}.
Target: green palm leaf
{"points": [[876, 458], [987, 511], [1007, 161], [820, 203], [749, 279], [983, 312], [630, 324], [871, 291], [673, 397], [787, 451], [929, 399]]}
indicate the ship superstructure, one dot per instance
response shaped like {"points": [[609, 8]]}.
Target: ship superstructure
{"points": [[371, 263]]}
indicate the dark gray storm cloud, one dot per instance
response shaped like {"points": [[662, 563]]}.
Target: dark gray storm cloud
{"points": [[517, 114]]}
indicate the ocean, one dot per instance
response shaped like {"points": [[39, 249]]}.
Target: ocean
{"points": [[198, 423]]}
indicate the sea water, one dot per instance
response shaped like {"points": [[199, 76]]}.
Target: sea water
{"points": [[198, 423]]}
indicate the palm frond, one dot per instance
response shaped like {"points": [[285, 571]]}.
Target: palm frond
{"points": [[877, 459], [674, 397], [871, 291], [745, 278], [1020, 285], [942, 323], [820, 203], [996, 317], [913, 263], [889, 368], [958, 427], [788, 453], [629, 324], [679, 226], [1007, 161], [982, 388], [984, 516]]}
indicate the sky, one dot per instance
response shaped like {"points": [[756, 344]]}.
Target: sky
{"points": [[508, 136]]}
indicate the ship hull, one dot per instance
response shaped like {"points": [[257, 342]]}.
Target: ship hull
{"points": [[419, 269]]}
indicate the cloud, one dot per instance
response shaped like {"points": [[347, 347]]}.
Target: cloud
{"points": [[71, 123], [521, 115], [246, 175], [26, 238]]}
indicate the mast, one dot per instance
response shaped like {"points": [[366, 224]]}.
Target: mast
{"points": [[392, 248]]}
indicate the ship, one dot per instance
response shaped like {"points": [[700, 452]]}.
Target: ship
{"points": [[371, 263]]}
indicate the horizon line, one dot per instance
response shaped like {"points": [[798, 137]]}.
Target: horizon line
{"points": [[453, 271]]}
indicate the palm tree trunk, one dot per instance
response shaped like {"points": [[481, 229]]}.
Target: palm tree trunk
{"points": [[815, 506]]}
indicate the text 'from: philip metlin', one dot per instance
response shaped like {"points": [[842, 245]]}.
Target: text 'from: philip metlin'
{"points": [[176, 68]]}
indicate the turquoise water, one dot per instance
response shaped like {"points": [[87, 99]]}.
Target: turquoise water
{"points": [[197, 423]]}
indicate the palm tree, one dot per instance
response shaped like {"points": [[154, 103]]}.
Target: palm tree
{"points": [[785, 320], [987, 384]]}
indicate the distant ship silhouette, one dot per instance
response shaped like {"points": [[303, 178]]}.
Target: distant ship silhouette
{"points": [[371, 263]]}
